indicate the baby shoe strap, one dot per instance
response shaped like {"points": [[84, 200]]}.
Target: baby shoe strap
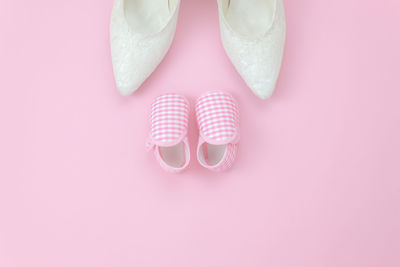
{"points": [[149, 144]]}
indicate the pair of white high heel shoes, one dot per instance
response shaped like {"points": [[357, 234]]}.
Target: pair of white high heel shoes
{"points": [[253, 34]]}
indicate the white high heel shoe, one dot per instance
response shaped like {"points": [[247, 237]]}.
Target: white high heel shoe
{"points": [[141, 33], [253, 34]]}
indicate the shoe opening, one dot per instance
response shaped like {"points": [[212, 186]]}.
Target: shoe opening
{"points": [[174, 156], [149, 17], [211, 155], [249, 18]]}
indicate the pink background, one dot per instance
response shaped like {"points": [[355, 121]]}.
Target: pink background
{"points": [[317, 181]]}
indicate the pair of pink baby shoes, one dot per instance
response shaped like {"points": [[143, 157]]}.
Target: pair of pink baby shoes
{"points": [[217, 116]]}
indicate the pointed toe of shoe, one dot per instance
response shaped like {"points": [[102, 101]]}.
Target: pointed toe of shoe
{"points": [[136, 55], [259, 73], [133, 65], [263, 91], [259, 66], [126, 90], [257, 58], [128, 79]]}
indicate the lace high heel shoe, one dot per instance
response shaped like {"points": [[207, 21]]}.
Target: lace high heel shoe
{"points": [[141, 33], [253, 34]]}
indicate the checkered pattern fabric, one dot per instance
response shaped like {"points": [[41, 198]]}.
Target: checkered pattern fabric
{"points": [[218, 121], [169, 119], [169, 123]]}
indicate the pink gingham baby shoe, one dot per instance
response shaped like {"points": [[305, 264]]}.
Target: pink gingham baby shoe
{"points": [[168, 134], [218, 121]]}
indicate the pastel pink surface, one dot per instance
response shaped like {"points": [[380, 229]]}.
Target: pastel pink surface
{"points": [[317, 178]]}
